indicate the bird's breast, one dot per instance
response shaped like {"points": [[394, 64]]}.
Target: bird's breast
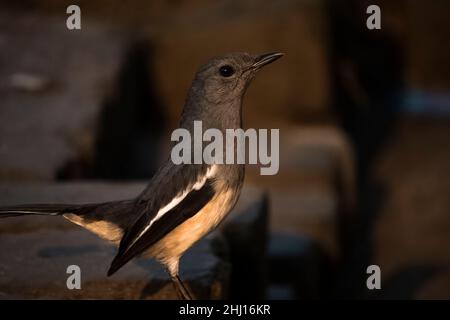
{"points": [[174, 244]]}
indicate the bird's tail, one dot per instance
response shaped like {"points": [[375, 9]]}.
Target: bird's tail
{"points": [[39, 209]]}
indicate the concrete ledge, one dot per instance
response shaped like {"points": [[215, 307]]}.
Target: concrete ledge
{"points": [[36, 251]]}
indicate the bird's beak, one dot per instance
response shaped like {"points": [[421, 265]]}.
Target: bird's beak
{"points": [[265, 59]]}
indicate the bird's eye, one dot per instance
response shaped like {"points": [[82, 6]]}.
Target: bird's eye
{"points": [[226, 71]]}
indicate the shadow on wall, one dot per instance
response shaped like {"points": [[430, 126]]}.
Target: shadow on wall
{"points": [[129, 127]]}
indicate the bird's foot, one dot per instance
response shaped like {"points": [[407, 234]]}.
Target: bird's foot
{"points": [[184, 293]]}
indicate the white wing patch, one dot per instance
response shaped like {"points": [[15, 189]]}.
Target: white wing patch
{"points": [[175, 201]]}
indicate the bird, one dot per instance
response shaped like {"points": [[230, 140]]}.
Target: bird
{"points": [[182, 202]]}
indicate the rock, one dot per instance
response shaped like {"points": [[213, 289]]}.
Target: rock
{"points": [[36, 251], [54, 88], [34, 266], [245, 231]]}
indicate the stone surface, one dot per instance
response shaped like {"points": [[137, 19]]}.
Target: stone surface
{"points": [[33, 265], [201, 29], [35, 251], [42, 129]]}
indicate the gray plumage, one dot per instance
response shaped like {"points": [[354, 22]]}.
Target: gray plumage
{"points": [[183, 202]]}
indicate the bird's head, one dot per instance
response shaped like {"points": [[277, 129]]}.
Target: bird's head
{"points": [[219, 86], [225, 78]]}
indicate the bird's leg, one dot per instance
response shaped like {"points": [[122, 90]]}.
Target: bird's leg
{"points": [[183, 291]]}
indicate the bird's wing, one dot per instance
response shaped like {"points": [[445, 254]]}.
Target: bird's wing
{"points": [[189, 189]]}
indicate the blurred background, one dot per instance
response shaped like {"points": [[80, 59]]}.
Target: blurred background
{"points": [[364, 118]]}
